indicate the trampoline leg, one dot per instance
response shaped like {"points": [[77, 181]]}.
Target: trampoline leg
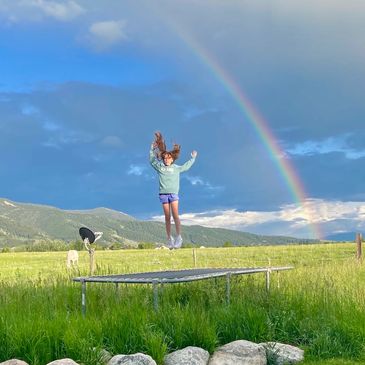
{"points": [[83, 298], [268, 280], [117, 291], [155, 296], [228, 287]]}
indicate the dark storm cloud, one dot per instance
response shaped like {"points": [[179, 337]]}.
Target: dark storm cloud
{"points": [[89, 139]]}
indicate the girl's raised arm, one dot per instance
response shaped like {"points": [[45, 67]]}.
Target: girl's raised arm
{"points": [[186, 166], [153, 160]]}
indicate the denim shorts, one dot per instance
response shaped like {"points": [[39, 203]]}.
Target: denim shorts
{"points": [[168, 198]]}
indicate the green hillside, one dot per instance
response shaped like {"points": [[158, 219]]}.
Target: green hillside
{"points": [[22, 223]]}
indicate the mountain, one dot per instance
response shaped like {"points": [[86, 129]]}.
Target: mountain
{"points": [[23, 223], [342, 237]]}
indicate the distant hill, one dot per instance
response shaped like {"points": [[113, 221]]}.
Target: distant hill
{"points": [[342, 237], [22, 223]]}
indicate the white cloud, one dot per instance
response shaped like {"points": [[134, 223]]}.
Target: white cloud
{"points": [[29, 110], [289, 220], [63, 11], [103, 35], [16, 11], [137, 170], [9, 204], [51, 126], [64, 137], [112, 141], [325, 146], [197, 180], [52, 143], [192, 112], [35, 113]]}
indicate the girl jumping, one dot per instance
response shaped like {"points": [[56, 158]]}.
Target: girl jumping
{"points": [[169, 180]]}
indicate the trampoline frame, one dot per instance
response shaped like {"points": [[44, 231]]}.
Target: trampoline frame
{"points": [[157, 278]]}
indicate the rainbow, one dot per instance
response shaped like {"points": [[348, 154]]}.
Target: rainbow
{"points": [[258, 123]]}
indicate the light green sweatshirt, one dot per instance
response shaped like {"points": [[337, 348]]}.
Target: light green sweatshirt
{"points": [[169, 176]]}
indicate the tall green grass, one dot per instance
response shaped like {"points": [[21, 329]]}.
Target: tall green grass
{"points": [[318, 306]]}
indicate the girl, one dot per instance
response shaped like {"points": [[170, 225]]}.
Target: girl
{"points": [[169, 179]]}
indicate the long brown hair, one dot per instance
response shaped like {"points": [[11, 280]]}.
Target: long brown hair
{"points": [[161, 145]]}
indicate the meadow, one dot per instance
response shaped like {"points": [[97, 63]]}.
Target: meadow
{"points": [[318, 306]]}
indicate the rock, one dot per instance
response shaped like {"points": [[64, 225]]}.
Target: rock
{"points": [[135, 359], [239, 353], [63, 362], [13, 362], [284, 354], [188, 356]]}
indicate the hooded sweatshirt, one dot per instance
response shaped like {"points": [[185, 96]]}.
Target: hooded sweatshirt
{"points": [[169, 176]]}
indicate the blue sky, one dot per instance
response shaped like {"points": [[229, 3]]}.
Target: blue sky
{"points": [[84, 84]]}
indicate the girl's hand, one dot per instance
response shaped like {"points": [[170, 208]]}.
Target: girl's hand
{"points": [[194, 154], [153, 145]]}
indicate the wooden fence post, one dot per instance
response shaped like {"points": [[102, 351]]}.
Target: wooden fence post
{"points": [[358, 244], [92, 260]]}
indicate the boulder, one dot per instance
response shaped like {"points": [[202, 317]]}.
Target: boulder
{"points": [[63, 362], [188, 356], [283, 354], [239, 352], [135, 359], [13, 362]]}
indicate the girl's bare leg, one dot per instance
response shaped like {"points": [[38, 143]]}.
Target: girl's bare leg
{"points": [[167, 212], [175, 215]]}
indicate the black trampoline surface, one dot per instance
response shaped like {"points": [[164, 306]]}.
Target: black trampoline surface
{"points": [[177, 276]]}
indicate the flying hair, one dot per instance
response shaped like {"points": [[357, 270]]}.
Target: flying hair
{"points": [[161, 146]]}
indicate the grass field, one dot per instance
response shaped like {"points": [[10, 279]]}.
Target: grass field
{"points": [[318, 306]]}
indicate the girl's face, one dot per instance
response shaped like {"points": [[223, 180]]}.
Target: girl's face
{"points": [[167, 159]]}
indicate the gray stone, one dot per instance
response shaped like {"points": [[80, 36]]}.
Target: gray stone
{"points": [[284, 354], [63, 362], [135, 359], [13, 362], [239, 353], [188, 356]]}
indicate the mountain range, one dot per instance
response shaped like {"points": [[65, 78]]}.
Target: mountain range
{"points": [[24, 223]]}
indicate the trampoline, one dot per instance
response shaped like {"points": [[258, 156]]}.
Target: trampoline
{"points": [[157, 278]]}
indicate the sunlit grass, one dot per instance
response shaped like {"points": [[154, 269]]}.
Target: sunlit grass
{"points": [[318, 306]]}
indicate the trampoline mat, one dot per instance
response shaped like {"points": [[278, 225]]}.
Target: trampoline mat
{"points": [[176, 276]]}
